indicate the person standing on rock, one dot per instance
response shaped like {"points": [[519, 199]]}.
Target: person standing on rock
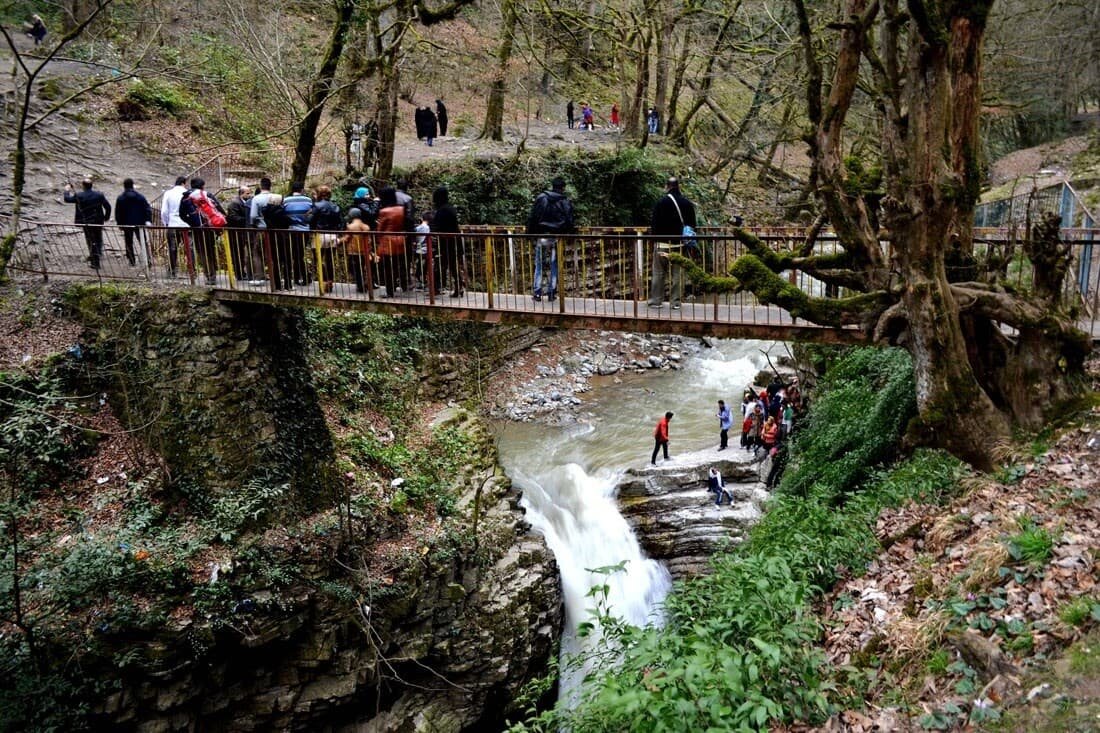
{"points": [[670, 214], [725, 422], [132, 212], [93, 211], [551, 216], [660, 438]]}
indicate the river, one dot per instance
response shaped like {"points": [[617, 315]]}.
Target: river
{"points": [[568, 476]]}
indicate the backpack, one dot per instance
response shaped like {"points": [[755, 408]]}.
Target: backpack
{"points": [[275, 216], [326, 217], [557, 216], [211, 216]]}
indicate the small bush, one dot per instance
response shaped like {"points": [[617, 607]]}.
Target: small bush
{"points": [[1080, 611], [1033, 545], [152, 94]]}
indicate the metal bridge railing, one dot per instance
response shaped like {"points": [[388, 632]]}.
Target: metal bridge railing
{"points": [[602, 272]]}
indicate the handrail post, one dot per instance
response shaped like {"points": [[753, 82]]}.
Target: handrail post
{"points": [[369, 265], [269, 255], [320, 264], [189, 256], [489, 269], [559, 244], [230, 272], [431, 269]]}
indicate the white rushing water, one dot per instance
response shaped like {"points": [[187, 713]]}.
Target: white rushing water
{"points": [[568, 476]]}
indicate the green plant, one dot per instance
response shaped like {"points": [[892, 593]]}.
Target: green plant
{"points": [[1080, 611], [159, 95], [1033, 545], [938, 661]]}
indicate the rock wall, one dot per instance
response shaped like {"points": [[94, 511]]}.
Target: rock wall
{"points": [[447, 652], [674, 514], [222, 395], [442, 641]]}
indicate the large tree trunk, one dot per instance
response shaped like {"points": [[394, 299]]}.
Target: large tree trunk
{"points": [[493, 127], [319, 92], [935, 156]]}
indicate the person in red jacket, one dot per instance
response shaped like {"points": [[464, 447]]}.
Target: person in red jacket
{"points": [[660, 438]]}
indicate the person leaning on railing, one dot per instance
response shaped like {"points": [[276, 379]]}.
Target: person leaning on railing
{"points": [[357, 246], [670, 214]]}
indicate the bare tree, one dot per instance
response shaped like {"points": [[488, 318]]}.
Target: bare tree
{"points": [[925, 292]]}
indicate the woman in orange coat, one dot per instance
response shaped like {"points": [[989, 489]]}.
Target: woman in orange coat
{"points": [[390, 248], [769, 434]]}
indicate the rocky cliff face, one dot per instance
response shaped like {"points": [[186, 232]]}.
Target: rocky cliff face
{"points": [[674, 514], [317, 626]]}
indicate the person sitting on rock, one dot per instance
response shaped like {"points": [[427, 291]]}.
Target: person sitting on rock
{"points": [[718, 486]]}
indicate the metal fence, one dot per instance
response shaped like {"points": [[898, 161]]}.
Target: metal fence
{"points": [[601, 272]]}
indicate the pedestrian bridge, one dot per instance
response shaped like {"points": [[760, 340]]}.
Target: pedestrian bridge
{"points": [[603, 279]]}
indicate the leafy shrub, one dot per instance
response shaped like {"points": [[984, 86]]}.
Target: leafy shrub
{"points": [[1032, 545], [1079, 611], [153, 94], [867, 399]]}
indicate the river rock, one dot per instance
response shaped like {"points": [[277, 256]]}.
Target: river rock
{"points": [[674, 514]]}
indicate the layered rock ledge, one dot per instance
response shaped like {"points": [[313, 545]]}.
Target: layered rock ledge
{"points": [[674, 515]]}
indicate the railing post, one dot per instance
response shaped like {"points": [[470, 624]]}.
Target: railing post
{"points": [[431, 269], [319, 265], [188, 255], [232, 274], [512, 261], [269, 255], [368, 265], [489, 269], [639, 263], [559, 244]]}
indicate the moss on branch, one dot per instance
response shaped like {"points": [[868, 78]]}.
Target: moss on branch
{"points": [[756, 277]]}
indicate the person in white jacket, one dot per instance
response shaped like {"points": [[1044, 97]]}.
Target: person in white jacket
{"points": [[170, 218]]}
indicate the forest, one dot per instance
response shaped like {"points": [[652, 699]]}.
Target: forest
{"points": [[315, 517]]}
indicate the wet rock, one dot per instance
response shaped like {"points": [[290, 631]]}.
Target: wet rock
{"points": [[675, 516]]}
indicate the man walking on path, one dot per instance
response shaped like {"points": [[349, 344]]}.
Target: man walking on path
{"points": [[569, 114], [660, 438], [671, 213], [132, 211], [441, 116], [170, 217], [551, 216], [725, 422], [93, 211]]}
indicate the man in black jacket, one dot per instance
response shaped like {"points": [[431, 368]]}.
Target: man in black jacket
{"points": [[93, 211], [441, 116], [551, 216], [132, 212], [671, 212]]}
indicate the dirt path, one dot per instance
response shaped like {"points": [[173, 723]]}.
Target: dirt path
{"points": [[84, 140]]}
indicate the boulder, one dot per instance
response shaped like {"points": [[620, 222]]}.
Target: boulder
{"points": [[674, 514]]}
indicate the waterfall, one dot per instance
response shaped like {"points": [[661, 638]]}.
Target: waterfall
{"points": [[577, 515], [568, 477]]}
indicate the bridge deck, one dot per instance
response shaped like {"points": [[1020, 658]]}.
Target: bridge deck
{"points": [[709, 315], [603, 279]]}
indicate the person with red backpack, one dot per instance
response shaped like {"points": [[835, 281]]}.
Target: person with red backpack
{"points": [[207, 222]]}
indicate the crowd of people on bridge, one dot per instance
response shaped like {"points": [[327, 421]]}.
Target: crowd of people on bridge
{"points": [[383, 240]]}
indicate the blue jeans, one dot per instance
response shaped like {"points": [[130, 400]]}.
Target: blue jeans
{"points": [[546, 253]]}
